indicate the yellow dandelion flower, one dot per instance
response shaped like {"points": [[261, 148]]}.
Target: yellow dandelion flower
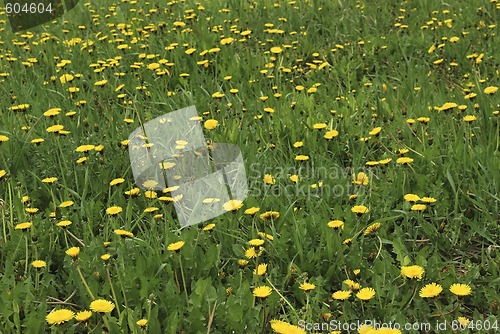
{"points": [[460, 289], [151, 194], [276, 50], [151, 209], [64, 223], [150, 184], [133, 192], [331, 134], [361, 179], [58, 317], [430, 290], [307, 286], [52, 112], [491, 90], [469, 118], [250, 253], [269, 179], [270, 215], [227, 40], [404, 161], [38, 264], [114, 210], [124, 233], [175, 246], [418, 207], [83, 316], [447, 106], [372, 229], [251, 211], [232, 205], [375, 131], [412, 272], [265, 235], [116, 181], [66, 204], [411, 198], [336, 224], [282, 327], [319, 126], [23, 226], [359, 209], [100, 83], [352, 285], [218, 95], [464, 322], [210, 124], [260, 270], [73, 252], [55, 128], [302, 157], [142, 323], [102, 306], [262, 291], [256, 242], [66, 78], [341, 294], [209, 227], [366, 294]]}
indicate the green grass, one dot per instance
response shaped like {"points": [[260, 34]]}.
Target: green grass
{"points": [[371, 65]]}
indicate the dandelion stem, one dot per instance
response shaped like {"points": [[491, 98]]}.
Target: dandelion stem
{"points": [[37, 279], [113, 292], [264, 315], [411, 298], [106, 323], [4, 225], [74, 237], [211, 314], [307, 307], [26, 260], [121, 286], [379, 248], [150, 303], [11, 209], [282, 297], [183, 279], [440, 312], [84, 282]]}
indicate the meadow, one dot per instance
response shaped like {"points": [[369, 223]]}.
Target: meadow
{"points": [[370, 134]]}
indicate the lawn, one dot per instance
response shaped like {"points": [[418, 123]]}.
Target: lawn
{"points": [[370, 137]]}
